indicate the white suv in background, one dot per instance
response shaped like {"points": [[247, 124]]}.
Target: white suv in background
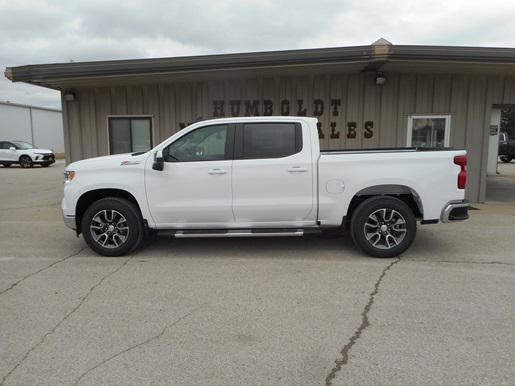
{"points": [[25, 154]]}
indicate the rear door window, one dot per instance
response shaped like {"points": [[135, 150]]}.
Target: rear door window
{"points": [[269, 140]]}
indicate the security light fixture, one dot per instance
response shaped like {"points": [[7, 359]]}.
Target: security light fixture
{"points": [[380, 79], [69, 96]]}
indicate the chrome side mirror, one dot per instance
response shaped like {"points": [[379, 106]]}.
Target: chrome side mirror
{"points": [[159, 162]]}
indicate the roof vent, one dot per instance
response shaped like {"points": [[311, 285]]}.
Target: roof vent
{"points": [[381, 42]]}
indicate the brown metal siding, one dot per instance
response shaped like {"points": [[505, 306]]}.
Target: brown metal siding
{"points": [[383, 109], [102, 109], [406, 95], [387, 124]]}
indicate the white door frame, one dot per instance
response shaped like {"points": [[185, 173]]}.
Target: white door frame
{"points": [[493, 142], [447, 134]]}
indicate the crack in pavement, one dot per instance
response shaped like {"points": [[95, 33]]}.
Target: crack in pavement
{"points": [[460, 262], [41, 270], [364, 324], [47, 334], [152, 338]]}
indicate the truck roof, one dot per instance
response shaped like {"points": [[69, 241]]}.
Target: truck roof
{"points": [[268, 118]]}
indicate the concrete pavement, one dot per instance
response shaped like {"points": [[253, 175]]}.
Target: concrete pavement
{"points": [[501, 188], [251, 311]]}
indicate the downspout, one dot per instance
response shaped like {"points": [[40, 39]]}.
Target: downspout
{"points": [[31, 127]]}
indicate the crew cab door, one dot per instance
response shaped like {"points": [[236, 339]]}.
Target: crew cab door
{"points": [[194, 188], [273, 175]]}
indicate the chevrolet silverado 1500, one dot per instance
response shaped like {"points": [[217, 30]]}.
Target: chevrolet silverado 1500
{"points": [[262, 176]]}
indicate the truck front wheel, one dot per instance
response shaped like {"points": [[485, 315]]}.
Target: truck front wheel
{"points": [[383, 226], [112, 226]]}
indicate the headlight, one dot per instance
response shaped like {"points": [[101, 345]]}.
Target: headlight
{"points": [[69, 175]]}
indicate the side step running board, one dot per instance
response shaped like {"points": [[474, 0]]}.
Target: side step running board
{"points": [[239, 233]]}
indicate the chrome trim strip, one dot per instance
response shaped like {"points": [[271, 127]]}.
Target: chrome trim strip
{"points": [[446, 211], [182, 235]]}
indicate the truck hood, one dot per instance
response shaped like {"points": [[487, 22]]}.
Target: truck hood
{"points": [[109, 161]]}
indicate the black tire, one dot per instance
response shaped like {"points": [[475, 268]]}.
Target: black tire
{"points": [[25, 161], [506, 158], [112, 206], [395, 231]]}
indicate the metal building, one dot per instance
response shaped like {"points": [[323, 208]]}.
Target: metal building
{"points": [[381, 95], [37, 125]]}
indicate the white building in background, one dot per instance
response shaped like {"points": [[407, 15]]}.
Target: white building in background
{"points": [[38, 125]]}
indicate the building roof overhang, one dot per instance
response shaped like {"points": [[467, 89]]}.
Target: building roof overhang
{"points": [[380, 56]]}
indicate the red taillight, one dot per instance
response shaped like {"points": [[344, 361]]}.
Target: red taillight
{"points": [[461, 160]]}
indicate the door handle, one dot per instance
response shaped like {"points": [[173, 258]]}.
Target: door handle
{"points": [[297, 169], [217, 171]]}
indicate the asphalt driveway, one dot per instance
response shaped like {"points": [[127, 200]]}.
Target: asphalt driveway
{"points": [[279, 311]]}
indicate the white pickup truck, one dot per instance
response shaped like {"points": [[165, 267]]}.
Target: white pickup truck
{"points": [[262, 176]]}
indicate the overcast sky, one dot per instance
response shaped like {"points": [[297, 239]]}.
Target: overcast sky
{"points": [[59, 31]]}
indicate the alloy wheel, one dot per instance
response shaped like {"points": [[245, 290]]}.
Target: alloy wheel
{"points": [[385, 228], [109, 228], [25, 162]]}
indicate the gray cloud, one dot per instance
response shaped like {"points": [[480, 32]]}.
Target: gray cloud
{"points": [[59, 31]]}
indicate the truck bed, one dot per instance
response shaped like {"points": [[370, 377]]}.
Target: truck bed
{"points": [[429, 174]]}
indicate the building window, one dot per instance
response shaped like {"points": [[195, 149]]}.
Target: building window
{"points": [[129, 134], [429, 130]]}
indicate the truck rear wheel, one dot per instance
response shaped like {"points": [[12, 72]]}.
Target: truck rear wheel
{"points": [[506, 158], [112, 226], [383, 226]]}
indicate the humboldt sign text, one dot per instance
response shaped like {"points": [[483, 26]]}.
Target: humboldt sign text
{"points": [[253, 107]]}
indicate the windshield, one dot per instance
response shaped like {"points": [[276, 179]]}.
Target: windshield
{"points": [[23, 145]]}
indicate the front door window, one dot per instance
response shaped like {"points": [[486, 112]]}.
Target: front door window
{"points": [[205, 144]]}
